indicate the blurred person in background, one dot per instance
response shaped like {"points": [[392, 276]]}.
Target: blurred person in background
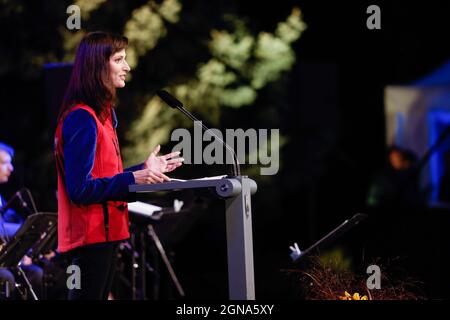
{"points": [[396, 185]]}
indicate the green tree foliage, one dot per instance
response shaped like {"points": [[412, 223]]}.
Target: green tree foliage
{"points": [[240, 64]]}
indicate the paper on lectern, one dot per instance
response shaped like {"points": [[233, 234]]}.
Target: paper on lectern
{"points": [[204, 178], [143, 208]]}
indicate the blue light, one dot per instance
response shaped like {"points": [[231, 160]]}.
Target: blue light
{"points": [[438, 121]]}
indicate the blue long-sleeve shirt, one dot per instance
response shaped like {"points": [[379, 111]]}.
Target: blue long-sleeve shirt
{"points": [[10, 221], [80, 137]]}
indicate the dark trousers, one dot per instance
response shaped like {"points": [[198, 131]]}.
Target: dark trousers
{"points": [[35, 275], [96, 263], [7, 282]]}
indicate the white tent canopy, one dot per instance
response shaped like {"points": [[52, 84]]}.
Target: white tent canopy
{"points": [[416, 115]]}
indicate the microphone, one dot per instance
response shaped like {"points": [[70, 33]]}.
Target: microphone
{"points": [[8, 204], [169, 99], [22, 202], [173, 102]]}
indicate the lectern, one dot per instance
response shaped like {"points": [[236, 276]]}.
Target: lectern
{"points": [[237, 193]]}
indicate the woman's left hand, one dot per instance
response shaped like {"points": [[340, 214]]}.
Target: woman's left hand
{"points": [[164, 163]]}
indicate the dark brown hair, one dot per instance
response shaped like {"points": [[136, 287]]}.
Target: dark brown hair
{"points": [[90, 83]]}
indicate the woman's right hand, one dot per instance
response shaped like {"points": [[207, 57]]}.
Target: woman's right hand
{"points": [[148, 176]]}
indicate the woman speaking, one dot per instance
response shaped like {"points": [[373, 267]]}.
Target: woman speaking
{"points": [[92, 184]]}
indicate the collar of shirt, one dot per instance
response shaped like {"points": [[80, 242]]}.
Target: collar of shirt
{"points": [[114, 118]]}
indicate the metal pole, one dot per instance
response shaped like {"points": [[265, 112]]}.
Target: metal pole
{"points": [[240, 242], [133, 266], [19, 269], [166, 261], [143, 265]]}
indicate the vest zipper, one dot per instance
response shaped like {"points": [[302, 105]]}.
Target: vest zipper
{"points": [[116, 145]]}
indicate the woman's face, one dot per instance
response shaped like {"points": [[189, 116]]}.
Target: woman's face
{"points": [[118, 68]]}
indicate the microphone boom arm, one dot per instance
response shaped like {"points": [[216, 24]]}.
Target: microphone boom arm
{"points": [[175, 103], [236, 168]]}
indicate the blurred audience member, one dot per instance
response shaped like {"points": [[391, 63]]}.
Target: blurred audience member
{"points": [[396, 186], [10, 222]]}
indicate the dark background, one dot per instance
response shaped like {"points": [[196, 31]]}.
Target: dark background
{"points": [[333, 117]]}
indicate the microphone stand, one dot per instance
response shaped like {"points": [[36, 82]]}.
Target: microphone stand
{"points": [[27, 282], [156, 240], [173, 102], [236, 167]]}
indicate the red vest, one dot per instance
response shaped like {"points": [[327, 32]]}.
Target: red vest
{"points": [[79, 225]]}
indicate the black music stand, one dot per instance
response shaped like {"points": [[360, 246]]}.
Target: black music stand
{"points": [[334, 234], [143, 226], [45, 244], [36, 228]]}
